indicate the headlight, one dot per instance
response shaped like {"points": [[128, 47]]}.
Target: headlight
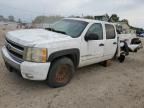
{"points": [[38, 55]]}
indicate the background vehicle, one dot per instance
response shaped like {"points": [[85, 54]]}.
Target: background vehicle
{"points": [[142, 35]]}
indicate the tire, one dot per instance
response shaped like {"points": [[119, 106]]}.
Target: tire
{"points": [[121, 58], [61, 73], [126, 49]]}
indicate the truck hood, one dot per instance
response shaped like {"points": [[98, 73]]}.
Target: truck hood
{"points": [[31, 37]]}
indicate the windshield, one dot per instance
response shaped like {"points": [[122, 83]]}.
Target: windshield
{"points": [[69, 27]]}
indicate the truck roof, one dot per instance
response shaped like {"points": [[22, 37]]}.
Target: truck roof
{"points": [[89, 20]]}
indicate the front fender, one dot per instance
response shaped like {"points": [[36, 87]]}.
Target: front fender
{"points": [[73, 54]]}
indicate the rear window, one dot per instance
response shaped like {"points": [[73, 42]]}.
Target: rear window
{"points": [[110, 31]]}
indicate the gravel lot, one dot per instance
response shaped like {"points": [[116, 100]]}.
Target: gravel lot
{"points": [[116, 86]]}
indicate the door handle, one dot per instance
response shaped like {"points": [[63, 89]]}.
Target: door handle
{"points": [[101, 44], [114, 43]]}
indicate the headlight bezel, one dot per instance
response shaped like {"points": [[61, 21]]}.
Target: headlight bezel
{"points": [[35, 54]]}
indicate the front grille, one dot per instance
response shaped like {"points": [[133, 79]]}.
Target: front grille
{"points": [[15, 45], [15, 50]]}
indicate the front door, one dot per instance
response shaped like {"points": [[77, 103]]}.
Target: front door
{"points": [[94, 48]]}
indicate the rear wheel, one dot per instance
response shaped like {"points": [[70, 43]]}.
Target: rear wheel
{"points": [[121, 58], [61, 72]]}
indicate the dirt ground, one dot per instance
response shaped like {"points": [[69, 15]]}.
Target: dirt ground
{"points": [[116, 86]]}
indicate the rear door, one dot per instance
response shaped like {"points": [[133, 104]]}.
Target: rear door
{"points": [[111, 41]]}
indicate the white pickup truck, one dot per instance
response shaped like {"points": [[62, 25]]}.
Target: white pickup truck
{"points": [[54, 53]]}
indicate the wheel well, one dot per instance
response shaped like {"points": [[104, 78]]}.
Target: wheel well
{"points": [[70, 56], [74, 59], [73, 54]]}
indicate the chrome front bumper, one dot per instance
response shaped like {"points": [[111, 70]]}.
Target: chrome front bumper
{"points": [[9, 60], [28, 70]]}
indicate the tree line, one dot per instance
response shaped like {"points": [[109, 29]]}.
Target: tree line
{"points": [[113, 18], [10, 18]]}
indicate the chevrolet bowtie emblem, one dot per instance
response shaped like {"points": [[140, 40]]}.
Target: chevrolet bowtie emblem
{"points": [[9, 46]]}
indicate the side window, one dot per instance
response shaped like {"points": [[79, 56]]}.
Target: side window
{"points": [[110, 31], [96, 29]]}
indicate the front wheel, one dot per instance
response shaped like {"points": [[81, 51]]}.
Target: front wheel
{"points": [[61, 72]]}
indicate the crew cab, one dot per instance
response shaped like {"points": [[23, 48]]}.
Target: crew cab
{"points": [[53, 54]]}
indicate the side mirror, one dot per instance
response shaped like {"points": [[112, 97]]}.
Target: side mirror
{"points": [[91, 36]]}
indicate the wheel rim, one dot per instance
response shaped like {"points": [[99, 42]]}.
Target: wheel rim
{"points": [[63, 74]]}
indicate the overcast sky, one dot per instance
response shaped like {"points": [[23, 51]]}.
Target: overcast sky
{"points": [[133, 10]]}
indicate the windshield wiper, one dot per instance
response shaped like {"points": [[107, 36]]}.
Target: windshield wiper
{"points": [[62, 32], [50, 29], [58, 31]]}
